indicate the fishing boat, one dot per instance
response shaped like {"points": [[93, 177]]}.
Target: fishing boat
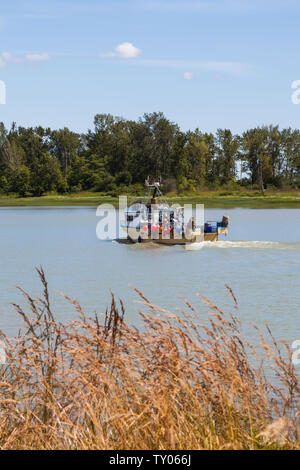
{"points": [[153, 220]]}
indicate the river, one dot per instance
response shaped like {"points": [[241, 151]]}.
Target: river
{"points": [[259, 260]]}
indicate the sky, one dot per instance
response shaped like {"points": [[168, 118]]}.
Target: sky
{"points": [[205, 64]]}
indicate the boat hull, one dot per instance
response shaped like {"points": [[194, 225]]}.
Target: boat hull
{"points": [[196, 237]]}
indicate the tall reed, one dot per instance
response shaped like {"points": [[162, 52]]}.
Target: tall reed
{"points": [[176, 383]]}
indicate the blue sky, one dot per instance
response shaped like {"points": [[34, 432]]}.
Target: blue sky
{"points": [[206, 64]]}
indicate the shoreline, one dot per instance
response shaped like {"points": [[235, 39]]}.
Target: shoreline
{"points": [[211, 200]]}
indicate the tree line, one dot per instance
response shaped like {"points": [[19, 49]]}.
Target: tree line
{"points": [[117, 155]]}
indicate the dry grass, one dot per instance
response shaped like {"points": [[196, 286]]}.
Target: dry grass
{"points": [[177, 383]]}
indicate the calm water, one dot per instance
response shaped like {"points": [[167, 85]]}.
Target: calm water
{"points": [[260, 260]]}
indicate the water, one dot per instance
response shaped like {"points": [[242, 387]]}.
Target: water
{"points": [[259, 260]]}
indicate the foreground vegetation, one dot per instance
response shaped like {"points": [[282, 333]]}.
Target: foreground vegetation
{"points": [[211, 199], [177, 383], [118, 155]]}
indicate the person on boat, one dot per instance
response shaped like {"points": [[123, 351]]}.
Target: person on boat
{"points": [[191, 224]]}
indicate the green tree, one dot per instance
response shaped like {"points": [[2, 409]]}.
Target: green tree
{"points": [[46, 175], [21, 181], [4, 185], [227, 147], [65, 145], [197, 151], [255, 156]]}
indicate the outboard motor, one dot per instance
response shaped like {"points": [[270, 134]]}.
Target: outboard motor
{"points": [[225, 221]]}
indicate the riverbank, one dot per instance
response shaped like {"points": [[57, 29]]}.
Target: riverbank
{"points": [[211, 199]]}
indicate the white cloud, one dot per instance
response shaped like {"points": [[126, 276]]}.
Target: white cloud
{"points": [[37, 57], [7, 57], [125, 50], [231, 68], [188, 75]]}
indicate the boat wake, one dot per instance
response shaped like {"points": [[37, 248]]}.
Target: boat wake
{"points": [[257, 245], [221, 244]]}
